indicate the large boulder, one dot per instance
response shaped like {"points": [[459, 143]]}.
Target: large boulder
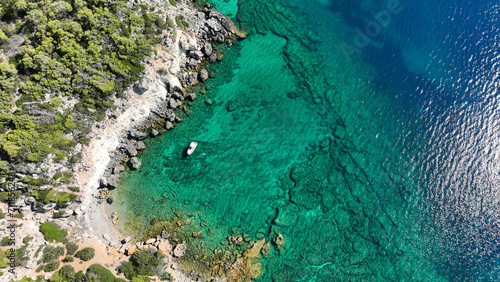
{"points": [[197, 55], [180, 250], [140, 145], [112, 181], [136, 134], [172, 103], [130, 150], [207, 49], [191, 97], [135, 163], [203, 75], [169, 125], [170, 115]]}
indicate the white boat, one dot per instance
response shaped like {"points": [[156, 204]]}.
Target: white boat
{"points": [[191, 148]]}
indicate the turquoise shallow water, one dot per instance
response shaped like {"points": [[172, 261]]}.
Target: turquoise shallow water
{"points": [[356, 160]]}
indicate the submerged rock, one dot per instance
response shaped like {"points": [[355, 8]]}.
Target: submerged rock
{"points": [[191, 97]]}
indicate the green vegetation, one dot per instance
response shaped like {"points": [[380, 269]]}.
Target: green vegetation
{"points": [[173, 2], [74, 189], [66, 273], [68, 259], [87, 51], [52, 232], [143, 263], [27, 239], [52, 253], [51, 266], [71, 248], [85, 254], [46, 196], [179, 20]]}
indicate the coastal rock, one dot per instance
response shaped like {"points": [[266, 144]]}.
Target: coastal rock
{"points": [[191, 97], [118, 169], [207, 49], [130, 251], [112, 181], [110, 200], [130, 150], [203, 75], [165, 247], [193, 63], [223, 20], [172, 103], [178, 96], [140, 145], [197, 55], [173, 84], [212, 58], [164, 234], [154, 132], [180, 250], [135, 163], [169, 125], [136, 134], [170, 115]]}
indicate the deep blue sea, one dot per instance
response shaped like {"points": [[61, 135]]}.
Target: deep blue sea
{"points": [[365, 132]]}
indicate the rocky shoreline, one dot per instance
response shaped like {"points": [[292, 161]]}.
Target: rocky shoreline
{"points": [[151, 103], [189, 50]]}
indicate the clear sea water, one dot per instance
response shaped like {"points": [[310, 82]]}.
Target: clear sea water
{"points": [[366, 132]]}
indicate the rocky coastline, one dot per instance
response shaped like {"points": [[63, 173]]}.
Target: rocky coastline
{"points": [[149, 108]]}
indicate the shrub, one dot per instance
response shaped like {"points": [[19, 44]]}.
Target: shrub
{"points": [[74, 189], [173, 2], [97, 272], [52, 253], [27, 239], [51, 266], [143, 263], [71, 248], [85, 254], [52, 232], [5, 241], [68, 259], [66, 273]]}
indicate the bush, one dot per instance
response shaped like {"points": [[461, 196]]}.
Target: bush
{"points": [[51, 266], [71, 248], [68, 259], [85, 254], [52, 232], [97, 272], [27, 239], [52, 253], [66, 273], [143, 263]]}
